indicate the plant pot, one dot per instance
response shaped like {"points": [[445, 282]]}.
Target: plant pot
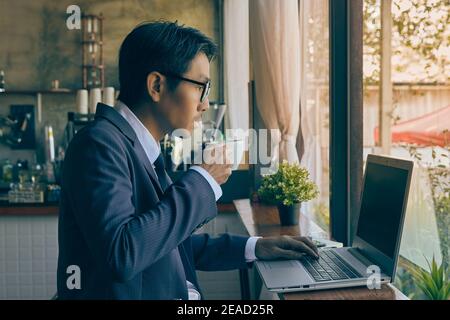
{"points": [[289, 214]]}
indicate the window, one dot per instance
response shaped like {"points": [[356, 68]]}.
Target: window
{"points": [[413, 122], [315, 106]]}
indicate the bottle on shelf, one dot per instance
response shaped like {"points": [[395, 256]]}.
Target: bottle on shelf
{"points": [[2, 81]]}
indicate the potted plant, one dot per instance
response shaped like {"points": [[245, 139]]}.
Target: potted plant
{"points": [[434, 283], [287, 189]]}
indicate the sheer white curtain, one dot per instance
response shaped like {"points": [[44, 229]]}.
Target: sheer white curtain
{"points": [[310, 118], [237, 63], [314, 87], [274, 38]]}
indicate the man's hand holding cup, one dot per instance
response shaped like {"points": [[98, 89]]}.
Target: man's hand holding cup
{"points": [[218, 161]]}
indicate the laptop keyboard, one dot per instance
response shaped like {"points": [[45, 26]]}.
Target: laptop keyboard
{"points": [[328, 267]]}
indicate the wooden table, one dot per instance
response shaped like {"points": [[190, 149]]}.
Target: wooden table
{"points": [[261, 220]]}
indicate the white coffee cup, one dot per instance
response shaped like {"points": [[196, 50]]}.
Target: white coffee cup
{"points": [[234, 152], [109, 96], [82, 101], [211, 153], [95, 96], [236, 147]]}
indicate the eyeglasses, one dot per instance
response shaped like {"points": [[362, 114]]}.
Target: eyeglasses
{"points": [[206, 86]]}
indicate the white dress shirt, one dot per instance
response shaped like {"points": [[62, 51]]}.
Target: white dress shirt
{"points": [[152, 150]]}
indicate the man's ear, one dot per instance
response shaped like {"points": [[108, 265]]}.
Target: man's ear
{"points": [[155, 85]]}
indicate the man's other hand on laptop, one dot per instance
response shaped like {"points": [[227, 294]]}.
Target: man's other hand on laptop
{"points": [[285, 247]]}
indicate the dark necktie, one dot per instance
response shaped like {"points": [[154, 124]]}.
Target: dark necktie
{"points": [[160, 170]]}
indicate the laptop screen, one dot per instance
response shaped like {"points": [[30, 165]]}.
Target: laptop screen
{"points": [[382, 206]]}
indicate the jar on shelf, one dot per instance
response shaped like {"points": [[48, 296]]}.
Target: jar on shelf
{"points": [[7, 172]]}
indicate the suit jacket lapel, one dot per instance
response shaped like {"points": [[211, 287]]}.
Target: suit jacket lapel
{"points": [[148, 166], [110, 114]]}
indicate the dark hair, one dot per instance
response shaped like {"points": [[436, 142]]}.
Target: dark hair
{"points": [[158, 46]]}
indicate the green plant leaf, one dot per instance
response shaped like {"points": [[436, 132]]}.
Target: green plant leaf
{"points": [[289, 185], [434, 284]]}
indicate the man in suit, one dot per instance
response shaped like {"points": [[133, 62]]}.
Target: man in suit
{"points": [[125, 229]]}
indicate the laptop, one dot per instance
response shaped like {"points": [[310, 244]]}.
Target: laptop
{"points": [[375, 246]]}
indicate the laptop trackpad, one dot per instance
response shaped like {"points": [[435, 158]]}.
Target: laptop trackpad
{"points": [[283, 274]]}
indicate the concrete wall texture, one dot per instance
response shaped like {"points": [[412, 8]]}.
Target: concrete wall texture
{"points": [[36, 47]]}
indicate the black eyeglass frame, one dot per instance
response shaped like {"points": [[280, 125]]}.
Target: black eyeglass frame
{"points": [[206, 85]]}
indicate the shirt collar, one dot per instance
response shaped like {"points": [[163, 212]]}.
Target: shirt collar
{"points": [[148, 142]]}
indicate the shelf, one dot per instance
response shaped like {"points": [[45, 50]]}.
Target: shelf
{"points": [[100, 66], [99, 42], [34, 92]]}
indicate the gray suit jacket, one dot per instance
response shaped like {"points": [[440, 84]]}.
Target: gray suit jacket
{"points": [[129, 239]]}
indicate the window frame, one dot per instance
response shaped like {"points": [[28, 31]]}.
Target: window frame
{"points": [[346, 117]]}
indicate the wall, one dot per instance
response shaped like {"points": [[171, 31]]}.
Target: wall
{"points": [[29, 251], [28, 257], [38, 48]]}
